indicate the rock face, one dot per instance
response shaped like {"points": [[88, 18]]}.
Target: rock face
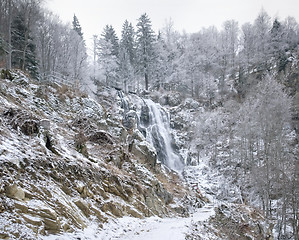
{"points": [[67, 161]]}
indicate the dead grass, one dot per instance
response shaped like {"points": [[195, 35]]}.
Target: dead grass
{"points": [[173, 184]]}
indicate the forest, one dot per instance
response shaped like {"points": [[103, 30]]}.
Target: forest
{"points": [[245, 77]]}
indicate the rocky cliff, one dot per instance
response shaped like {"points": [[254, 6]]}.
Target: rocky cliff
{"points": [[67, 160]]}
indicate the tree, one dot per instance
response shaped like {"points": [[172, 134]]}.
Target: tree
{"points": [[262, 27], [76, 26], [263, 127], [109, 35], [127, 56], [145, 47], [23, 47], [108, 63]]}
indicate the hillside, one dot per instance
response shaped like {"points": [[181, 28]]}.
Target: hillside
{"points": [[71, 165]]}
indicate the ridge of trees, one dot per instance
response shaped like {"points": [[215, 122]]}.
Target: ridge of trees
{"points": [[197, 64]]}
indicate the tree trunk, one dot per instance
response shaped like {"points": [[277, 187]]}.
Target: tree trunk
{"points": [[8, 64], [146, 79]]}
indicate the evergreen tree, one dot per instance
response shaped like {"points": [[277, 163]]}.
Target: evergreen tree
{"points": [[278, 45], [108, 63], [76, 26], [145, 47], [23, 47], [127, 56], [128, 41], [109, 35], [108, 52]]}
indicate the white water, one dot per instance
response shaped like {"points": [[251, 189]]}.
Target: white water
{"points": [[159, 129]]}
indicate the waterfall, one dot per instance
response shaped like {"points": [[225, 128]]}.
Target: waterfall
{"points": [[154, 123], [155, 120]]}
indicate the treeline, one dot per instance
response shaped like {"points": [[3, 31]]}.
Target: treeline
{"points": [[36, 41], [197, 64]]}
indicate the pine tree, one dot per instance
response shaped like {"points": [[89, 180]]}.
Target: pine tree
{"points": [[127, 56], [278, 44], [109, 35], [76, 26], [108, 52], [23, 47], [145, 47], [128, 41]]}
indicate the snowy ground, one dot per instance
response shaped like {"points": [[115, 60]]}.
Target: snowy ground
{"points": [[153, 228]]}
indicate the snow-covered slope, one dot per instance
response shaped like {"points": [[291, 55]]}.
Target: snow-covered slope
{"points": [[72, 168]]}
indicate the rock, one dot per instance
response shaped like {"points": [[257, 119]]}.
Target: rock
{"points": [[36, 221], [144, 115], [145, 153], [13, 191], [129, 120], [138, 135], [83, 206], [132, 213], [52, 226], [98, 214], [47, 213], [4, 235], [113, 208], [21, 206], [45, 123]]}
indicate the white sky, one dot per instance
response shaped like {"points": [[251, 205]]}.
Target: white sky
{"points": [[188, 15]]}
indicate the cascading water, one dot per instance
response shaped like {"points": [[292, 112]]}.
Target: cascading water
{"points": [[155, 121]]}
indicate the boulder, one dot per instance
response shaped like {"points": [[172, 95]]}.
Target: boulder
{"points": [[145, 153], [129, 120], [45, 123]]}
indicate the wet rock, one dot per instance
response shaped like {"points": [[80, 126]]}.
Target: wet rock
{"points": [[144, 115], [129, 120]]}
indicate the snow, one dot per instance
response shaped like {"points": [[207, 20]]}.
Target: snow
{"points": [[128, 228]]}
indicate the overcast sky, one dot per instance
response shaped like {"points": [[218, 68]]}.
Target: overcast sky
{"points": [[188, 15]]}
